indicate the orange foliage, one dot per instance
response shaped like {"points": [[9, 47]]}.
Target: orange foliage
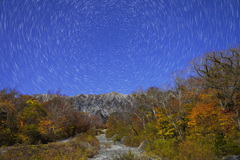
{"points": [[207, 116]]}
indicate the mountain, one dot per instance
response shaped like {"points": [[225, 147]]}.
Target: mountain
{"points": [[102, 105]]}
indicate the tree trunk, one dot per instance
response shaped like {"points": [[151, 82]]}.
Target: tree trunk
{"points": [[132, 127], [142, 120], [237, 115]]}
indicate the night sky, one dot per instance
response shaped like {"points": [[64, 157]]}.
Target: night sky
{"points": [[100, 46]]}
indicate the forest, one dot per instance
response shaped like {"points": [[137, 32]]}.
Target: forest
{"points": [[32, 129], [196, 118]]}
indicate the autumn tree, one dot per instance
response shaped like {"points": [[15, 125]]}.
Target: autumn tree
{"points": [[207, 117], [80, 122], [28, 120], [7, 123], [221, 71], [9, 99], [117, 123], [58, 121], [146, 101]]}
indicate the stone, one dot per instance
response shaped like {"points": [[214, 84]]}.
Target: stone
{"points": [[87, 145], [233, 157]]}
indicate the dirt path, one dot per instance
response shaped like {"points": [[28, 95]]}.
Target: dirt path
{"points": [[109, 150]]}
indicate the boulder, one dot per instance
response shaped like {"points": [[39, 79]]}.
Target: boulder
{"points": [[87, 145]]}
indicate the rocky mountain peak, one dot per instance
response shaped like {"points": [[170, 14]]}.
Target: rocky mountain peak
{"points": [[102, 105]]}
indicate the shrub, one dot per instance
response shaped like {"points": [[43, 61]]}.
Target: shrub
{"points": [[134, 141], [232, 148], [31, 134], [127, 156], [116, 138], [84, 137], [200, 149], [6, 137], [110, 133], [82, 147], [219, 144], [131, 156], [164, 148]]}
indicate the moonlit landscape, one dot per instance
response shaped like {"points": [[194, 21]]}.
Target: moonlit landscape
{"points": [[120, 79], [94, 47]]}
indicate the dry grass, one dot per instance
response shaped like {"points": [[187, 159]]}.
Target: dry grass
{"points": [[83, 147]]}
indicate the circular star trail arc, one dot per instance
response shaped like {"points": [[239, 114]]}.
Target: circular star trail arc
{"points": [[94, 47]]}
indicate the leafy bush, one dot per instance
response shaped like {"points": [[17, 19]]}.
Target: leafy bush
{"points": [[127, 156], [110, 133], [91, 139], [219, 144], [30, 134], [197, 148], [82, 147], [116, 138], [164, 148], [131, 156], [232, 148], [6, 137], [134, 141]]}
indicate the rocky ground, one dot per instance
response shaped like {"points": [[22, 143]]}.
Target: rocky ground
{"points": [[109, 150]]}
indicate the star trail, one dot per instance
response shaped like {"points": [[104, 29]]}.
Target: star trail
{"points": [[100, 46]]}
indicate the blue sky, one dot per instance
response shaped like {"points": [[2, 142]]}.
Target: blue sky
{"points": [[100, 46]]}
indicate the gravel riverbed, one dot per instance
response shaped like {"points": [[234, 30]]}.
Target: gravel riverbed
{"points": [[109, 150]]}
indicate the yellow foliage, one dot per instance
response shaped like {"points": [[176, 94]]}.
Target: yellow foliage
{"points": [[164, 125], [32, 102]]}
